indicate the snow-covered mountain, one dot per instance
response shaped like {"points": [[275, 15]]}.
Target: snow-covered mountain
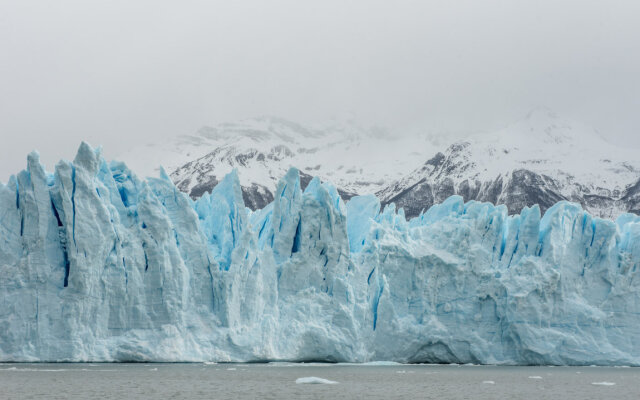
{"points": [[540, 159], [356, 159]]}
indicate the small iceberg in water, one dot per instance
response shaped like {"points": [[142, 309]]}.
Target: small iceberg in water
{"points": [[314, 380]]}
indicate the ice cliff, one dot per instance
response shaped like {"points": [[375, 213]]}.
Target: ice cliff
{"points": [[98, 265]]}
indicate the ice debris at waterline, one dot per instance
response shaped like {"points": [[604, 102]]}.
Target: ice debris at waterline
{"points": [[98, 265], [314, 380]]}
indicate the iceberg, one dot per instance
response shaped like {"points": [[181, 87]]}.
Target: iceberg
{"points": [[99, 265], [315, 380]]}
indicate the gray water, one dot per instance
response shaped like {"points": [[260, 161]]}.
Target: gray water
{"points": [[278, 380]]}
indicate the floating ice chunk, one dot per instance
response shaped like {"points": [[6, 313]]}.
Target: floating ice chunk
{"points": [[535, 377], [489, 382], [381, 363], [314, 380], [603, 383], [282, 364]]}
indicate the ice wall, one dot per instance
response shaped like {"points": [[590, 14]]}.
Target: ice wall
{"points": [[98, 265]]}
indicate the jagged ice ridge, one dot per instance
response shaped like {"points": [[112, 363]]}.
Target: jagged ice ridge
{"points": [[98, 265]]}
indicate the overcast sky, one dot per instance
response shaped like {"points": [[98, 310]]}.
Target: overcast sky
{"points": [[122, 72]]}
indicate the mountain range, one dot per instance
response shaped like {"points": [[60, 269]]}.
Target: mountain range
{"points": [[540, 159]]}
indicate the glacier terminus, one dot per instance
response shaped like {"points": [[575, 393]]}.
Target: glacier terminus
{"points": [[99, 265]]}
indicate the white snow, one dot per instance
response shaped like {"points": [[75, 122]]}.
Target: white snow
{"points": [[572, 154], [365, 161], [356, 159]]}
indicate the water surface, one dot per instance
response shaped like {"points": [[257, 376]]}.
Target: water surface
{"points": [[278, 381]]}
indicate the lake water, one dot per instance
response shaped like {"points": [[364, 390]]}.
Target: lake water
{"points": [[278, 380]]}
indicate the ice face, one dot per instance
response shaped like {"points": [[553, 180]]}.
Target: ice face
{"points": [[98, 265]]}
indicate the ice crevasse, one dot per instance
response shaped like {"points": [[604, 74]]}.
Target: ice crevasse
{"points": [[98, 265]]}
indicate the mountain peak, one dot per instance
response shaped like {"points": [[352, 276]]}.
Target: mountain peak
{"points": [[540, 158]]}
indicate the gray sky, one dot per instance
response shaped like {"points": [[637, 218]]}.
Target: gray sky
{"points": [[119, 73]]}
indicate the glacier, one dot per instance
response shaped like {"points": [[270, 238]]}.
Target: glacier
{"points": [[99, 265]]}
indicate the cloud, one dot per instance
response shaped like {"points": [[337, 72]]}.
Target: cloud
{"points": [[119, 72]]}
